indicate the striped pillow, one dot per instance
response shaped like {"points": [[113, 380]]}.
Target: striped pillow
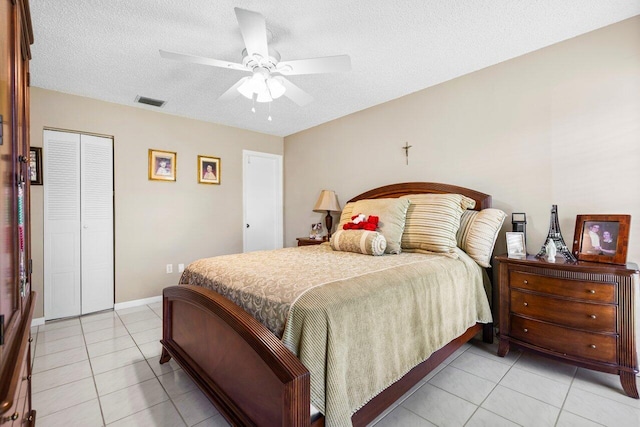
{"points": [[359, 241], [347, 213], [392, 214], [433, 221], [478, 233]]}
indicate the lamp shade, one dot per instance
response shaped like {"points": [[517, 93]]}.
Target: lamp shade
{"points": [[328, 201]]}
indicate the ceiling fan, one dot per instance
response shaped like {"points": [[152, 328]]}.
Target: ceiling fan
{"points": [[264, 85]]}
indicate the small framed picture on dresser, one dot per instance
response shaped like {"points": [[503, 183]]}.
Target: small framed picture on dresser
{"points": [[602, 238], [516, 247]]}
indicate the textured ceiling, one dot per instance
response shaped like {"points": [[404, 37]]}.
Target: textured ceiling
{"points": [[108, 49]]}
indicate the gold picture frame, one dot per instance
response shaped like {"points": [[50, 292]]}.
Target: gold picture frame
{"points": [[209, 170], [162, 165]]}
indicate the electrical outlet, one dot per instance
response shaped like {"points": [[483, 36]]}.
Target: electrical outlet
{"points": [[169, 268], [180, 268]]}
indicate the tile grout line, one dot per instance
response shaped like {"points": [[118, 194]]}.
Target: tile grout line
{"points": [[93, 376], [494, 387], [162, 385], [157, 377]]}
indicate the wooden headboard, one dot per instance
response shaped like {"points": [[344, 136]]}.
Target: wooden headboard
{"points": [[483, 201]]}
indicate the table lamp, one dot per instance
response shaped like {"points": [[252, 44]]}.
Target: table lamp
{"points": [[328, 201]]}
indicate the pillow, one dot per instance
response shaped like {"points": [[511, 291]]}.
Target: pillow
{"points": [[433, 221], [359, 241], [392, 214], [345, 216], [478, 233]]}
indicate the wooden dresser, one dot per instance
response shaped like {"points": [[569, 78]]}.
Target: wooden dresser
{"points": [[16, 299], [582, 313]]}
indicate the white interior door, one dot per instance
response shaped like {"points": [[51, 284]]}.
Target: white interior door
{"points": [[61, 171], [96, 213], [262, 192]]}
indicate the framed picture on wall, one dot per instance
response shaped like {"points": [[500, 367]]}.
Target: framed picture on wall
{"points": [[602, 238], [162, 165], [35, 165], [208, 170]]}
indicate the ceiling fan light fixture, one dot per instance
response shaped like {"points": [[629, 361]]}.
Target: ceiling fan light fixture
{"points": [[276, 87], [264, 96], [246, 88]]}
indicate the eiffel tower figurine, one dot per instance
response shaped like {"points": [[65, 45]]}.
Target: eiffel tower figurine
{"points": [[556, 237]]}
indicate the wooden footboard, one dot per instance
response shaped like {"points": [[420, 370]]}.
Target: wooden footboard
{"points": [[251, 377]]}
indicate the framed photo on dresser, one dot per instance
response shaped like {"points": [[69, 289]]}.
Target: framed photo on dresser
{"points": [[516, 247], [602, 238]]}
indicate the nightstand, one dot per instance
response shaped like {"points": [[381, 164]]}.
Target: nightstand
{"points": [[582, 313], [305, 241]]}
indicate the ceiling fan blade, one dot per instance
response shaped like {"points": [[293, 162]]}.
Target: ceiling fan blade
{"points": [[327, 64], [254, 31], [202, 60], [232, 92], [294, 93]]}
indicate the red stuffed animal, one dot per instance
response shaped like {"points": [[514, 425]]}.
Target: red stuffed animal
{"points": [[361, 222]]}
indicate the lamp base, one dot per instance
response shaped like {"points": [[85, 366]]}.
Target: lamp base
{"points": [[328, 221]]}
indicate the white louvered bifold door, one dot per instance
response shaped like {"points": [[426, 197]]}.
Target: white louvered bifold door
{"points": [[96, 213], [61, 174], [78, 224]]}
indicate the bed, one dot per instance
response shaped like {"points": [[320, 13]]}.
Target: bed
{"points": [[253, 372]]}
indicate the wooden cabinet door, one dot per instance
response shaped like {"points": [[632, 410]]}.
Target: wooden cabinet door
{"points": [[8, 289]]}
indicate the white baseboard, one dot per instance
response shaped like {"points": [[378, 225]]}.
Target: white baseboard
{"points": [[119, 306], [37, 321], [137, 302]]}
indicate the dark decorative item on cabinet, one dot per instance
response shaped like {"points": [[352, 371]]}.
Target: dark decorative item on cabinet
{"points": [[582, 313], [519, 223], [556, 236]]}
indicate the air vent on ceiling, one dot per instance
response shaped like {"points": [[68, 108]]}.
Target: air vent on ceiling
{"points": [[150, 101]]}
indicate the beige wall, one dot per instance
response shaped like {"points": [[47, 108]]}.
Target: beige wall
{"points": [[557, 126], [156, 223]]}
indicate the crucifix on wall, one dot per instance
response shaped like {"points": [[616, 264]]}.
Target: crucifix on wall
{"points": [[406, 151]]}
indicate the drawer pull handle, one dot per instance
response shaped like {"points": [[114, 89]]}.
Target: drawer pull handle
{"points": [[592, 291], [592, 346], [526, 304], [593, 316], [526, 281], [14, 417], [526, 330]]}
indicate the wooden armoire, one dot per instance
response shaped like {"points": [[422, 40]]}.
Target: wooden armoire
{"points": [[16, 299]]}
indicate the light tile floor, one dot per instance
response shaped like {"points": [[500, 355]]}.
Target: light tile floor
{"points": [[103, 369]]}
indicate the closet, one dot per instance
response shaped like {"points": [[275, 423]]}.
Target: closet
{"points": [[16, 298], [78, 224]]}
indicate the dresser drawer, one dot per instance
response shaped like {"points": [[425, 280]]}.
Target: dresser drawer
{"points": [[582, 315], [598, 347], [589, 291]]}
